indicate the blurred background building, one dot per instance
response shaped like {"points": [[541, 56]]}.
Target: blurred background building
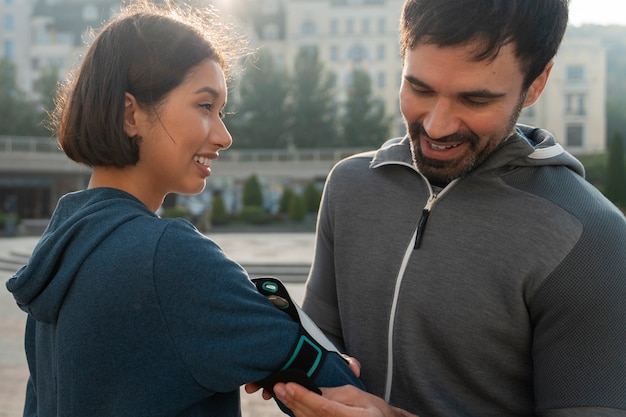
{"points": [[347, 34]]}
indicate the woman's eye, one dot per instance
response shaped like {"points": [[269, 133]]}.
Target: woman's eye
{"points": [[207, 106]]}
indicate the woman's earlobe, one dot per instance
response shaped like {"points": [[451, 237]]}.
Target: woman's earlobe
{"points": [[130, 116]]}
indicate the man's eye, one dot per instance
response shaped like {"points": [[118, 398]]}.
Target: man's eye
{"points": [[476, 102]]}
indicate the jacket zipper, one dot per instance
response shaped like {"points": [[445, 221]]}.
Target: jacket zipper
{"points": [[421, 225], [419, 233]]}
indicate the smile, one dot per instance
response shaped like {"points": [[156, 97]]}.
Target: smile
{"points": [[203, 160], [442, 147]]}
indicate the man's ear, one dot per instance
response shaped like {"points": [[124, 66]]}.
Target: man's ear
{"points": [[537, 87], [130, 115]]}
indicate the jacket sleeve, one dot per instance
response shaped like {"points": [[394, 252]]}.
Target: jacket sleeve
{"points": [[227, 333], [579, 325], [320, 297]]}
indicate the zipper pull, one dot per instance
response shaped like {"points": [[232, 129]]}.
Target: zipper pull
{"points": [[421, 225]]}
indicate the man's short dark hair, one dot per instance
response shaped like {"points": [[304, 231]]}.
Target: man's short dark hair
{"points": [[535, 27]]}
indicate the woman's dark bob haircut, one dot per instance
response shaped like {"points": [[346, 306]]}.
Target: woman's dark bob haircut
{"points": [[146, 50]]}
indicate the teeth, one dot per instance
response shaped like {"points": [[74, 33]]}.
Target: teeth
{"points": [[203, 160], [442, 148]]}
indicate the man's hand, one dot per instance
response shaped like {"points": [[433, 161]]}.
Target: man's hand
{"points": [[346, 401]]}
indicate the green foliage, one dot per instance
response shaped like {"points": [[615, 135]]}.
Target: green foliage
{"points": [[176, 212], [297, 208], [18, 115], [285, 198], [252, 194], [219, 215], [364, 122], [257, 117], [595, 168], [313, 105], [312, 197], [254, 215], [46, 86], [616, 172]]}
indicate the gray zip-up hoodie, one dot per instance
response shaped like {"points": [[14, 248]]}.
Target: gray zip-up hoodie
{"points": [[502, 295]]}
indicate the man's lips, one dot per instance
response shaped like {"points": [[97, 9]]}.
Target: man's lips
{"points": [[441, 150]]}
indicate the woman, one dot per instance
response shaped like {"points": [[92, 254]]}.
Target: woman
{"points": [[130, 314]]}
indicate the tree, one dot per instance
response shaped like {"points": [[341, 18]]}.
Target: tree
{"points": [[285, 198], [364, 121], [616, 172], [252, 194], [313, 107], [258, 117], [297, 208], [219, 215], [46, 86], [18, 115], [312, 197]]}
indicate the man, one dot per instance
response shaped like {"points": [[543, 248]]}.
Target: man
{"points": [[468, 266]]}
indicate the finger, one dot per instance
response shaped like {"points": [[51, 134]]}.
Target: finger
{"points": [[251, 387], [354, 364]]}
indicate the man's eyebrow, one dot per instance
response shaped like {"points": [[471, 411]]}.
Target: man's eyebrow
{"points": [[481, 93]]}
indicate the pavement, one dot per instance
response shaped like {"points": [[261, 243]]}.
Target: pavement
{"points": [[283, 255]]}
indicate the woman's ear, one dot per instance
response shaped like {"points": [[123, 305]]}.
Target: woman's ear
{"points": [[131, 109], [537, 87]]}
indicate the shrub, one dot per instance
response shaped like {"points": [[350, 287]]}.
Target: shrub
{"points": [[297, 208], [252, 194], [219, 216], [312, 197], [254, 215]]}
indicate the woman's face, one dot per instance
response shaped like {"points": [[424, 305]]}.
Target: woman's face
{"points": [[179, 142]]}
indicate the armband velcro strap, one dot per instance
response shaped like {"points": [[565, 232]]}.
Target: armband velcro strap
{"points": [[310, 348], [303, 364]]}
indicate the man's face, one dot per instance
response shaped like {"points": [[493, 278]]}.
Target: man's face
{"points": [[457, 110]]}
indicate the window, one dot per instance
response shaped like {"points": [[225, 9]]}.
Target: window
{"points": [[575, 73], [334, 26], [574, 135], [357, 53], [380, 52], [334, 53], [380, 80], [269, 7], [366, 25], [575, 105], [9, 23], [308, 27], [270, 32], [349, 26], [381, 25], [9, 49]]}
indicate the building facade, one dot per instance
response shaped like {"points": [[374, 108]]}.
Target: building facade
{"points": [[348, 35]]}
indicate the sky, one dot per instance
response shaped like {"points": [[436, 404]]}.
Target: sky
{"points": [[600, 12]]}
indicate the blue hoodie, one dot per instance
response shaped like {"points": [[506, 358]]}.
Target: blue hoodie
{"points": [[133, 315]]}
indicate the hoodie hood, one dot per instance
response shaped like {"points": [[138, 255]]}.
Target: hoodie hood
{"points": [[80, 222], [528, 146]]}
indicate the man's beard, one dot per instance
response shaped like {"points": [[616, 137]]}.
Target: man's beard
{"points": [[442, 172]]}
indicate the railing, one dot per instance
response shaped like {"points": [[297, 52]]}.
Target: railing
{"points": [[28, 144], [48, 145]]}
